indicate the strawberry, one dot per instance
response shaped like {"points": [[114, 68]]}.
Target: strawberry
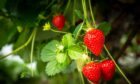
{"points": [[92, 71], [107, 69], [58, 21], [94, 40]]}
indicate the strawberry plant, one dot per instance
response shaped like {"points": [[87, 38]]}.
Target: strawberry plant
{"points": [[61, 42]]}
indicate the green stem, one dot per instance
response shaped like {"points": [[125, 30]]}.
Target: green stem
{"points": [[92, 15], [117, 65], [82, 78], [84, 9], [85, 12], [67, 7], [58, 31], [21, 47], [73, 18], [32, 49], [79, 64]]}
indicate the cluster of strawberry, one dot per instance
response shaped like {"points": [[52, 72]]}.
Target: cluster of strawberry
{"points": [[94, 40], [93, 71]]}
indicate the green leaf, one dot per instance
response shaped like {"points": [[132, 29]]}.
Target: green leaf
{"points": [[78, 13], [78, 30], [61, 57], [75, 52], [105, 27], [67, 40], [53, 68], [48, 53]]}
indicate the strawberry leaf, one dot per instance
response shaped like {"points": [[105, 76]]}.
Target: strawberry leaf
{"points": [[67, 40], [48, 53], [78, 30], [53, 67], [105, 27], [61, 57], [75, 52], [78, 13]]}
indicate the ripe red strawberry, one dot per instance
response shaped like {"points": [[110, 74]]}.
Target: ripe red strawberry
{"points": [[92, 71], [108, 69], [58, 21], [94, 40]]}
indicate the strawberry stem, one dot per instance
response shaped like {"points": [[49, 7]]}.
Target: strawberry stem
{"points": [[21, 47], [73, 18], [32, 49], [92, 15], [79, 65], [85, 12], [68, 4], [120, 70], [58, 31], [82, 78]]}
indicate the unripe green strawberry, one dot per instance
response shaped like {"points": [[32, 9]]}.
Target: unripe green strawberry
{"points": [[108, 69], [92, 71], [58, 21], [94, 40]]}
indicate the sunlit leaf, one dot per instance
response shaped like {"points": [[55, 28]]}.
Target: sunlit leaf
{"points": [[61, 57], [48, 53], [53, 68], [67, 40], [75, 52]]}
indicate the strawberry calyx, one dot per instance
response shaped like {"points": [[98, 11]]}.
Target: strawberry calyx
{"points": [[90, 28]]}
